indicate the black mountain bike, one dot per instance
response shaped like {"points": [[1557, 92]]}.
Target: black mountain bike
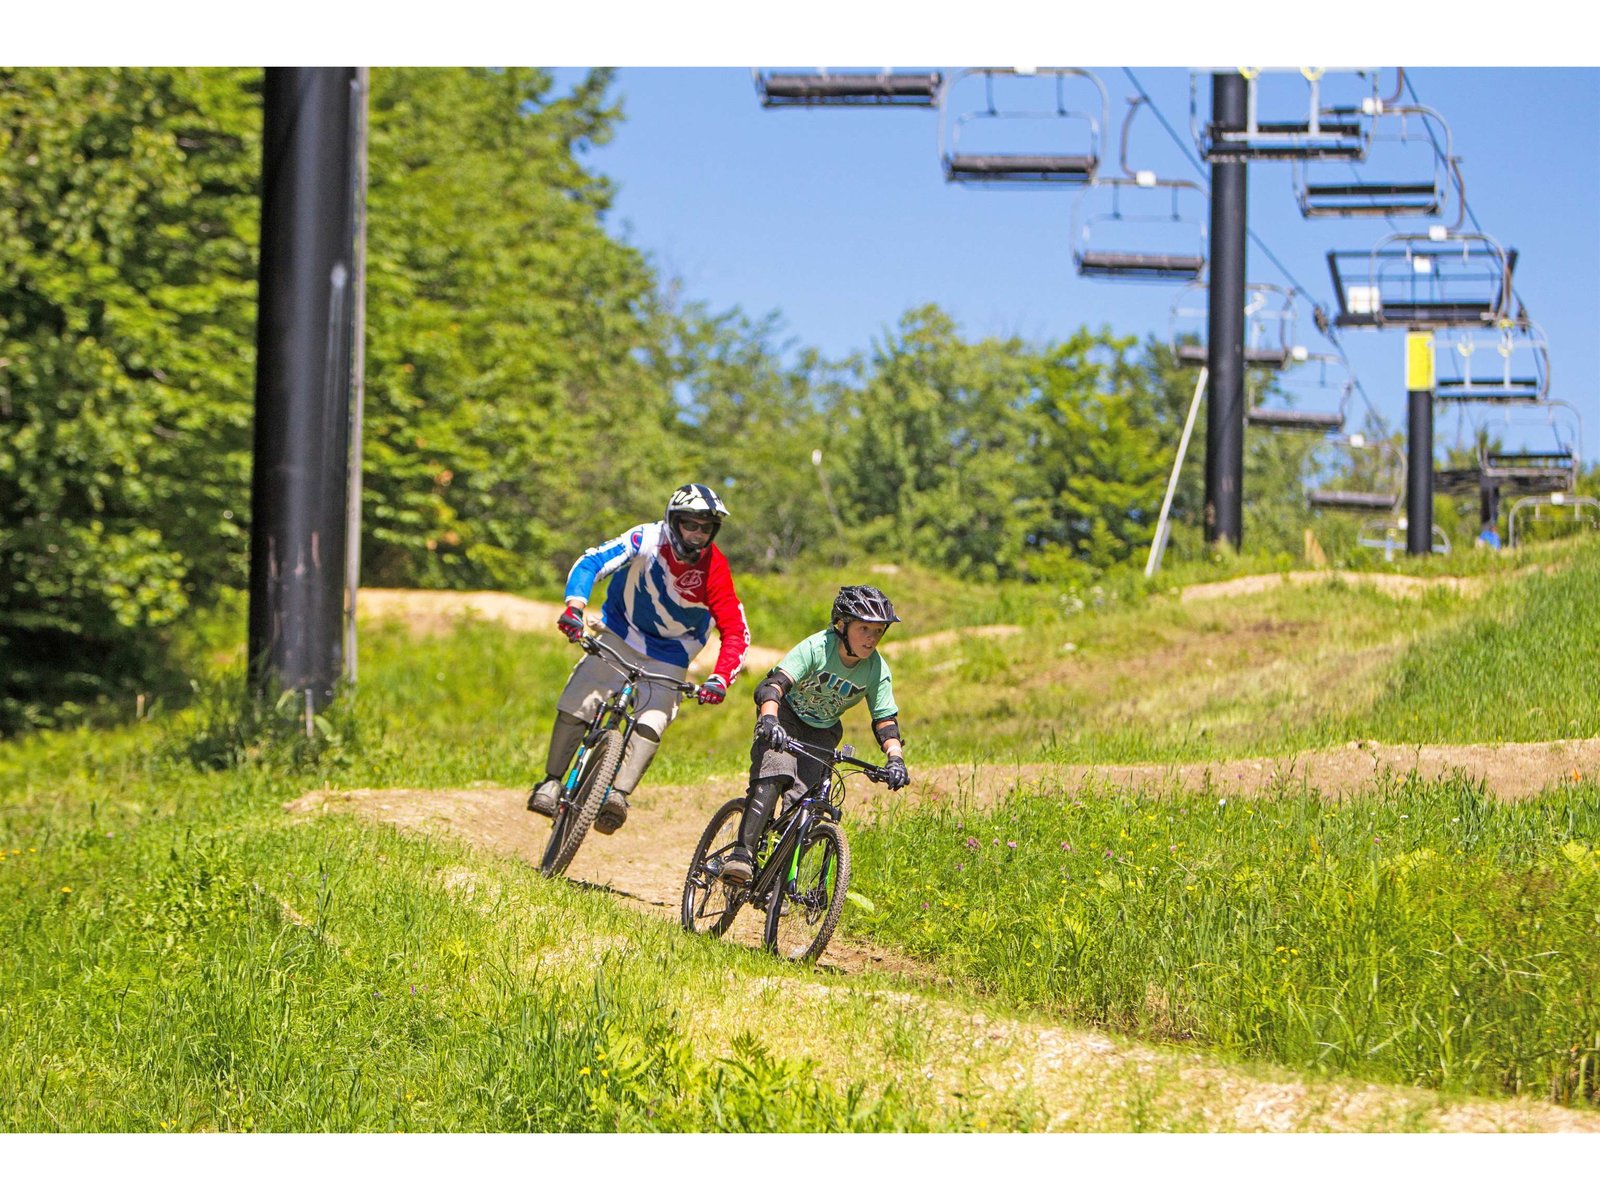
{"points": [[802, 868], [588, 780]]}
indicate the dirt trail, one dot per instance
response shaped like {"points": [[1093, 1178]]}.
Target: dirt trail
{"points": [[643, 862], [1394, 585]]}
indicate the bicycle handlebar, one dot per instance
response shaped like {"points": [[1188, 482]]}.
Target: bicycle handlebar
{"points": [[843, 756], [593, 645]]}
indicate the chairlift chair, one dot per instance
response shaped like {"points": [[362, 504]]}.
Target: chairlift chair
{"points": [[823, 88], [1013, 144], [1321, 384], [1405, 172], [1359, 461], [1506, 365], [1270, 319], [1327, 115], [1523, 453], [1441, 279], [1150, 227], [1583, 509], [1389, 534]]}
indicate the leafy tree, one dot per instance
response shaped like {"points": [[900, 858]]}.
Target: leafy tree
{"points": [[510, 412], [128, 217]]}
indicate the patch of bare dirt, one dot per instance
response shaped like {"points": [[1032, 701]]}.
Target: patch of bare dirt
{"points": [[1508, 770], [1394, 585]]}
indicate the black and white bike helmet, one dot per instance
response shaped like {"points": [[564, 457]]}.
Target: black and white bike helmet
{"points": [[694, 500], [861, 603]]}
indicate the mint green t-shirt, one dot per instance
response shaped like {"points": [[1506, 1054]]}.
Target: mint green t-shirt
{"points": [[824, 687]]}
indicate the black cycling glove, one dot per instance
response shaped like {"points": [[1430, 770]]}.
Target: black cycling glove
{"points": [[770, 733], [895, 773]]}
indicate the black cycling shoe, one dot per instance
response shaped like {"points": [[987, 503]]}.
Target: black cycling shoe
{"points": [[612, 814], [737, 866], [544, 798]]}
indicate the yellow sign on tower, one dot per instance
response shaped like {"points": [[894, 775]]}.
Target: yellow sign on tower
{"points": [[1419, 362]]}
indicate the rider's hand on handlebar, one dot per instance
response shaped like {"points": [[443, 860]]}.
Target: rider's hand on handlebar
{"points": [[895, 773], [571, 623], [770, 733], [713, 691]]}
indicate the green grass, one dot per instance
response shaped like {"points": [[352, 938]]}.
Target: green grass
{"points": [[181, 953], [1522, 667], [1423, 934]]}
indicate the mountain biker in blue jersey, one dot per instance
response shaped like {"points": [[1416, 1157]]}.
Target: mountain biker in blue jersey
{"points": [[802, 698], [672, 585]]}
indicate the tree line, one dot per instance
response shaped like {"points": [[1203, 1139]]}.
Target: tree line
{"points": [[533, 382]]}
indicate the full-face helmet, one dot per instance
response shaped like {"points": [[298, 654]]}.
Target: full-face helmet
{"points": [[697, 502]]}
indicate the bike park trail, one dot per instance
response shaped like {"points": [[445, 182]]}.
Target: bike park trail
{"points": [[1076, 1078]]}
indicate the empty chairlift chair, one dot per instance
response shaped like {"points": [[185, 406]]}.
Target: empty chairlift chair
{"points": [[1016, 126], [1138, 226], [1357, 474], [1313, 114], [1406, 171], [1270, 319], [1536, 451], [824, 88], [1441, 279], [1312, 395], [1506, 365]]}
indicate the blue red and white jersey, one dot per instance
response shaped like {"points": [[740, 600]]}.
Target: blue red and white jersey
{"points": [[660, 606]]}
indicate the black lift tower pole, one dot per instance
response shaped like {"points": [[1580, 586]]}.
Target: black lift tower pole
{"points": [[1224, 516], [1419, 442], [303, 344]]}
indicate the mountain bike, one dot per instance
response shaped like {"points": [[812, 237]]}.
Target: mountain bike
{"points": [[588, 780], [802, 867]]}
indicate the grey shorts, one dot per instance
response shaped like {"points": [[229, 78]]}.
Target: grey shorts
{"points": [[594, 678], [802, 773]]}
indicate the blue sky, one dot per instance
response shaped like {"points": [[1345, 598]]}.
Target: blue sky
{"points": [[841, 220]]}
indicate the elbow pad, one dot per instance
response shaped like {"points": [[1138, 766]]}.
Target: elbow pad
{"points": [[886, 729], [773, 687]]}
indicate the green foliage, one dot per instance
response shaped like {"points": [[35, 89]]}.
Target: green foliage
{"points": [[506, 330], [128, 225], [1424, 934]]}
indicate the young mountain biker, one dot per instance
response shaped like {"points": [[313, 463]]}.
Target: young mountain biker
{"points": [[802, 698], [674, 585]]}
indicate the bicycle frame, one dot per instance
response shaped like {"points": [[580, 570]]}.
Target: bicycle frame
{"points": [[791, 830], [616, 712]]}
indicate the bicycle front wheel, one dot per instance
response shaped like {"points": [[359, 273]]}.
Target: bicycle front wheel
{"points": [[710, 905], [807, 902], [573, 821]]}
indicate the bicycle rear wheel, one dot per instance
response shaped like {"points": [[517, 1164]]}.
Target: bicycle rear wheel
{"points": [[806, 903], [570, 825], [709, 905]]}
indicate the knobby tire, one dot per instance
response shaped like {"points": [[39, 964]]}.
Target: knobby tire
{"points": [[695, 887], [806, 927], [567, 832]]}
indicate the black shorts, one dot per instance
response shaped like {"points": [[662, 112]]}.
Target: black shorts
{"points": [[803, 773]]}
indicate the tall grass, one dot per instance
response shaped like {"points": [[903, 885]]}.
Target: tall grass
{"points": [[1524, 667], [187, 957], [1423, 934]]}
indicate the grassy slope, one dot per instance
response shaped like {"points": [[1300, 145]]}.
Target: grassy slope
{"points": [[182, 954]]}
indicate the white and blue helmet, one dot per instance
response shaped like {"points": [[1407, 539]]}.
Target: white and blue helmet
{"points": [[693, 500]]}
